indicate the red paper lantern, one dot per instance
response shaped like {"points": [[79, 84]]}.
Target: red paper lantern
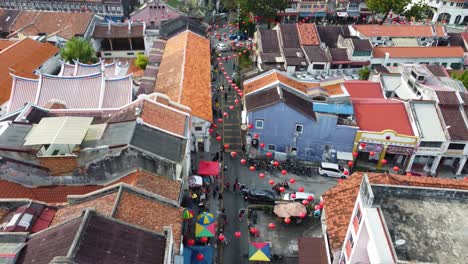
{"points": [[321, 204], [221, 237], [253, 230], [245, 51], [383, 161], [284, 172], [276, 163], [271, 182], [237, 234], [346, 172], [190, 242], [225, 114], [355, 154], [261, 175], [231, 107], [317, 207], [252, 168], [396, 168], [269, 154], [292, 180], [262, 145], [211, 130], [243, 161], [222, 69], [302, 215], [240, 94], [310, 198], [350, 163], [271, 225], [293, 196], [256, 136], [200, 257], [362, 145], [305, 202], [233, 154], [226, 146], [218, 138], [287, 220], [250, 126], [236, 101], [372, 153], [301, 189], [220, 120], [282, 189], [215, 125], [204, 239]]}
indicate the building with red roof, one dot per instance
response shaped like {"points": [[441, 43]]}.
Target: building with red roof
{"points": [[364, 89]]}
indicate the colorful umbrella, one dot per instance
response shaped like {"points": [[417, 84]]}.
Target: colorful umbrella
{"points": [[205, 230], [259, 251], [187, 214], [205, 218]]}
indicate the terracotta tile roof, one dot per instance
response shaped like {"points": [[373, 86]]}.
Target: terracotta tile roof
{"points": [[334, 89], [447, 98], [154, 183], [51, 194], [312, 250], [417, 52], [308, 34], [370, 115], [185, 73], [22, 58], [103, 205], [400, 31], [150, 214], [453, 117], [64, 24], [364, 89], [266, 80], [5, 43], [339, 200], [101, 30], [164, 117]]}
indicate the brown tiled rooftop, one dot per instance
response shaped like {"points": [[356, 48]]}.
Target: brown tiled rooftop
{"points": [[22, 58], [308, 35], [419, 52], [154, 183], [400, 30], [447, 98], [339, 200], [456, 125], [64, 24], [118, 30], [272, 77], [185, 73]]}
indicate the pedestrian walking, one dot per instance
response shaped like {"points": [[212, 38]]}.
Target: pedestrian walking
{"points": [[241, 215], [225, 97], [220, 196], [227, 185]]}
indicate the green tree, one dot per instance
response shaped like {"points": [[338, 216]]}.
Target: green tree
{"points": [[79, 49], [385, 6], [463, 77], [419, 11], [265, 9], [141, 61], [364, 73]]}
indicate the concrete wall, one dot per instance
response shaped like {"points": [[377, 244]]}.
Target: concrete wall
{"points": [[431, 61], [121, 53], [279, 129], [58, 165]]}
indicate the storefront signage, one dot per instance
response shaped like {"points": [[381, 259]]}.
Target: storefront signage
{"points": [[399, 150], [371, 147]]}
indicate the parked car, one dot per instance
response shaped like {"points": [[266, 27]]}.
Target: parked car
{"points": [[300, 196], [333, 170], [221, 47], [239, 36], [261, 196]]}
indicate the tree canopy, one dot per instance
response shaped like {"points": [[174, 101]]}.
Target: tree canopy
{"points": [[265, 9], [79, 49], [141, 61], [463, 77], [385, 6], [417, 11]]}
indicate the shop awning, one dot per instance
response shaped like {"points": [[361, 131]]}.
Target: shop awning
{"points": [[208, 168], [342, 14], [319, 14]]}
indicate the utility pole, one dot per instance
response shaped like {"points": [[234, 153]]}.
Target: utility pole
{"points": [[238, 18]]}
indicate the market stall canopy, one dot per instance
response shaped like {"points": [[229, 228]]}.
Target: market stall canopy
{"points": [[208, 168], [195, 181], [259, 251], [187, 214], [289, 209], [208, 230], [205, 218]]}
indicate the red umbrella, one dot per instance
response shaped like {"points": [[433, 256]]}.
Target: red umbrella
{"points": [[261, 175]]}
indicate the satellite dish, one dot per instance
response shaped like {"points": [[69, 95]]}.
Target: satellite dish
{"points": [[400, 242]]}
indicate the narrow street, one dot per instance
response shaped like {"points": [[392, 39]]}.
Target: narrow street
{"points": [[235, 250]]}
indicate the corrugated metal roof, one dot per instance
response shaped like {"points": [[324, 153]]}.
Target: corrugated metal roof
{"points": [[95, 132], [341, 109], [59, 130], [428, 122]]}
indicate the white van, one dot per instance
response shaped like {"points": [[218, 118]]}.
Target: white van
{"points": [[333, 170], [300, 196]]}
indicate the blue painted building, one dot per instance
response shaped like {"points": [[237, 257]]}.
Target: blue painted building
{"points": [[286, 122]]}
